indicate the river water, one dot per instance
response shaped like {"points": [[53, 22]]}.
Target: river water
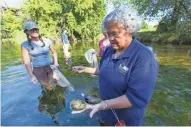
{"points": [[26, 104]]}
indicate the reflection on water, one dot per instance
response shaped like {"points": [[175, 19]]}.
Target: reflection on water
{"points": [[26, 104], [52, 102]]}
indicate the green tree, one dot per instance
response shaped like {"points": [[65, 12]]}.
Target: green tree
{"points": [[45, 13], [10, 24], [184, 31], [82, 17], [176, 16], [173, 10]]}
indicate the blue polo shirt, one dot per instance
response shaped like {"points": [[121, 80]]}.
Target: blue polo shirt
{"points": [[133, 74]]}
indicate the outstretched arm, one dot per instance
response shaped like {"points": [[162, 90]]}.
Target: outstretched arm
{"points": [[88, 70]]}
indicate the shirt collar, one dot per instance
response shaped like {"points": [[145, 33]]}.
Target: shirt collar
{"points": [[128, 51]]}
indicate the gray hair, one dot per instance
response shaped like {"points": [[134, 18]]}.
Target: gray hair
{"points": [[126, 16]]}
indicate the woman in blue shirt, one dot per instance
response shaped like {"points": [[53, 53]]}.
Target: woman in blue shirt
{"points": [[127, 72], [38, 50]]}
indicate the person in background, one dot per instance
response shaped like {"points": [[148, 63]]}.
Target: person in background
{"points": [[38, 49], [65, 41], [103, 43], [127, 72], [66, 45]]}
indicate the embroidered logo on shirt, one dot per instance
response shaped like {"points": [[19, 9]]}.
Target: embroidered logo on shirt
{"points": [[123, 69]]}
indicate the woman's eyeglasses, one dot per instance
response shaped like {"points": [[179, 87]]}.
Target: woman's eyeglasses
{"points": [[113, 34]]}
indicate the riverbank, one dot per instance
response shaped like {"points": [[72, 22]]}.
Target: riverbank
{"points": [[148, 35], [162, 38]]}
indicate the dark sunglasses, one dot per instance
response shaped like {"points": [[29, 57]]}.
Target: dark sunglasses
{"points": [[34, 29]]}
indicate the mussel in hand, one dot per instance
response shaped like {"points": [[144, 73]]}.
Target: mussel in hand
{"points": [[77, 105]]}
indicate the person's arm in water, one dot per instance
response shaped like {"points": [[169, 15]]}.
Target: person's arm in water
{"points": [[54, 55], [27, 63], [88, 70]]}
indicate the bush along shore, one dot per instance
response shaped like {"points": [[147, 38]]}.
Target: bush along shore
{"points": [[162, 38]]}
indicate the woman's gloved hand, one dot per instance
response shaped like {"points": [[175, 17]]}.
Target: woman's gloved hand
{"points": [[94, 108]]}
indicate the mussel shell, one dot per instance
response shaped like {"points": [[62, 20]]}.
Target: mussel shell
{"points": [[77, 105], [92, 99]]}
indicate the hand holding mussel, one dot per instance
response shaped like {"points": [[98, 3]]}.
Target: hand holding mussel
{"points": [[77, 105]]}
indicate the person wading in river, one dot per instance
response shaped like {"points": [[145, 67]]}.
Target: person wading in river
{"points": [[38, 50]]}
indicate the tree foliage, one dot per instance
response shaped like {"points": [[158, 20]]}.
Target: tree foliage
{"points": [[176, 15], [82, 17], [77, 16], [46, 13], [173, 10], [184, 30], [10, 23]]}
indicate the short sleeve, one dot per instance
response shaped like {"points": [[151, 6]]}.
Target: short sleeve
{"points": [[104, 55], [48, 41], [25, 45], [141, 82]]}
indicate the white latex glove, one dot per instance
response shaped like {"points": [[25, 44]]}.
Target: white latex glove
{"points": [[34, 80], [94, 108]]}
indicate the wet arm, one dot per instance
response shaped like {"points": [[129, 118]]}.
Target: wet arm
{"points": [[54, 55], [27, 61]]}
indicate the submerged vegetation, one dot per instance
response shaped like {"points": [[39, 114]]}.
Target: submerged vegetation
{"points": [[172, 93]]}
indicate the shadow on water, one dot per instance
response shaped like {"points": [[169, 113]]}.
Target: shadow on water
{"points": [[26, 104]]}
